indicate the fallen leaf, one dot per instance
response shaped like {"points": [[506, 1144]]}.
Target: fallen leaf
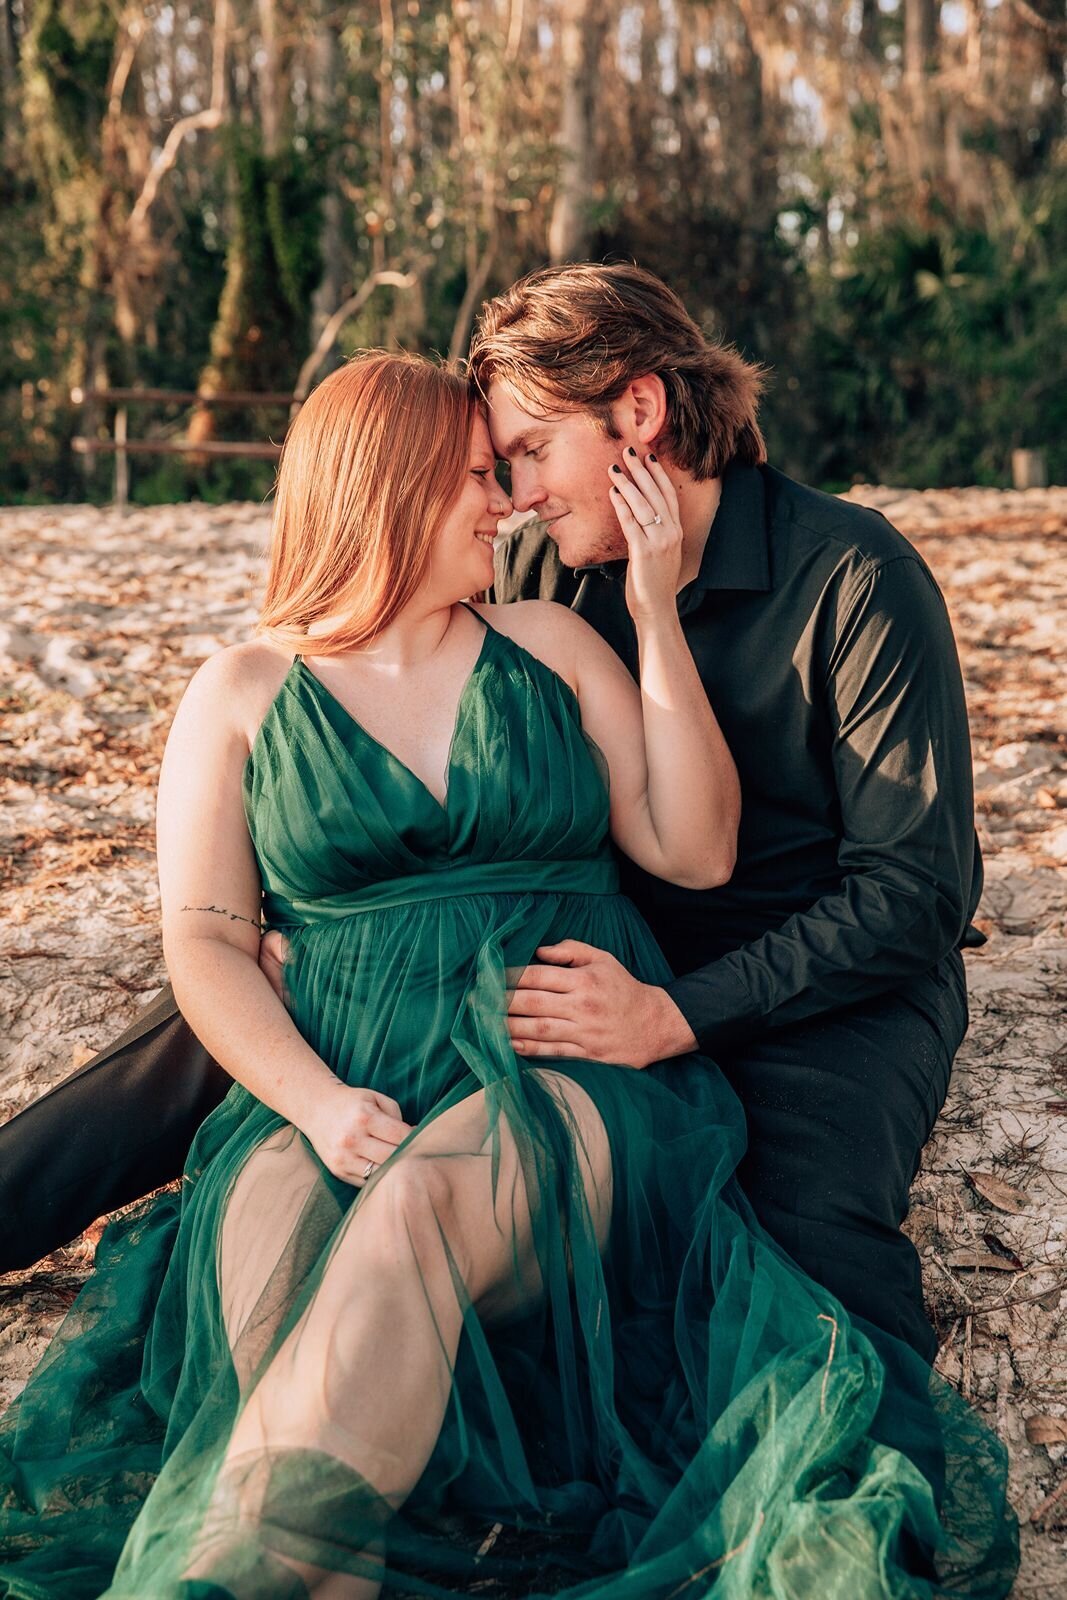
{"points": [[1046, 800], [979, 1260], [80, 1054], [998, 1193], [1059, 1106], [999, 1248], [1046, 1430]]}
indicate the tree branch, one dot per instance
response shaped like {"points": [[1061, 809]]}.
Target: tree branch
{"points": [[1048, 25], [475, 284], [515, 21], [354, 303], [211, 117], [133, 25]]}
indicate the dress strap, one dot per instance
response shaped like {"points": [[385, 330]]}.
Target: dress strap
{"points": [[488, 626]]}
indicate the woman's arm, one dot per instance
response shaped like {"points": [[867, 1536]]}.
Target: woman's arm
{"points": [[675, 796], [211, 896]]}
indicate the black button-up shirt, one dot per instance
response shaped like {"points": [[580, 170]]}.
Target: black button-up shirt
{"points": [[827, 654]]}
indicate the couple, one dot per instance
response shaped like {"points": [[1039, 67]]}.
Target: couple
{"points": [[460, 1238]]}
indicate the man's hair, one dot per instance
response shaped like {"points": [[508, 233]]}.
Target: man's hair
{"points": [[572, 338]]}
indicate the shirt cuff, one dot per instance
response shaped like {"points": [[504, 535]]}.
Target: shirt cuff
{"points": [[716, 1003]]}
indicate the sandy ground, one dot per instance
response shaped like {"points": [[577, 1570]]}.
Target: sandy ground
{"points": [[102, 620]]}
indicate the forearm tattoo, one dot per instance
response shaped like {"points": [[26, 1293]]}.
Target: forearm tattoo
{"points": [[220, 911]]}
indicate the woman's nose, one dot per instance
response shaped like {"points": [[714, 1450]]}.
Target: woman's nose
{"points": [[500, 502]]}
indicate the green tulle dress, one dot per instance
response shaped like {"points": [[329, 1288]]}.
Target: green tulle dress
{"points": [[664, 1406]]}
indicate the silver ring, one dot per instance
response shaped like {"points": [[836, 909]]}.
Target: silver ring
{"points": [[369, 1168], [653, 524]]}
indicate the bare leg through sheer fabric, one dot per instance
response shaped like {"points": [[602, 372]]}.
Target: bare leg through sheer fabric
{"points": [[365, 1375]]}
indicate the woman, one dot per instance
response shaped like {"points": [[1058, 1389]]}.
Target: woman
{"points": [[409, 1279]]}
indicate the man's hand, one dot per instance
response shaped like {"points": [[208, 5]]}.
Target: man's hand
{"points": [[273, 951], [582, 1002]]}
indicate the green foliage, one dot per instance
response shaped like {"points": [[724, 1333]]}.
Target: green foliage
{"points": [[38, 311], [66, 67], [218, 482], [935, 354], [915, 351], [272, 266], [292, 215], [73, 43]]}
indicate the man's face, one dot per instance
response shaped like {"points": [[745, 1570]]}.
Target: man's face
{"points": [[560, 468]]}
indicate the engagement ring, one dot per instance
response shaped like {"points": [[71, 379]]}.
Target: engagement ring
{"points": [[369, 1168]]}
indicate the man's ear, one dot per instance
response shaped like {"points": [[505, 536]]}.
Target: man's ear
{"points": [[646, 399]]}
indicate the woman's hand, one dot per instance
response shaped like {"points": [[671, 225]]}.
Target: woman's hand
{"points": [[353, 1130], [647, 508]]}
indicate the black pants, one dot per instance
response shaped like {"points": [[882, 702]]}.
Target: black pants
{"points": [[838, 1110]]}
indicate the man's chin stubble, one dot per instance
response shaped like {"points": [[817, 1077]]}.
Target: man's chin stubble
{"points": [[592, 555]]}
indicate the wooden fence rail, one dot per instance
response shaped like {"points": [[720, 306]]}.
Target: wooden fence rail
{"points": [[122, 447]]}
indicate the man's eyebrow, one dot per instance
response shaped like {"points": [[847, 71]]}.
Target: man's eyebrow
{"points": [[517, 445]]}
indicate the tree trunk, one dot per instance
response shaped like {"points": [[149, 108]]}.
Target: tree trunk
{"points": [[267, 78], [325, 77], [755, 177], [385, 123], [9, 82], [920, 37], [570, 229], [926, 133], [870, 29]]}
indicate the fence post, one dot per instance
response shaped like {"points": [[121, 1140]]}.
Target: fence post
{"points": [[122, 461], [1029, 469]]}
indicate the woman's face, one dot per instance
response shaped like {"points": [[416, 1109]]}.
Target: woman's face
{"points": [[462, 559]]}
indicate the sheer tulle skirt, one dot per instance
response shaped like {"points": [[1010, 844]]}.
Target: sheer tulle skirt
{"points": [[551, 1311]]}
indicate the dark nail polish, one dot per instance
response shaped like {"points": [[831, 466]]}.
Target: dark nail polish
{"points": [[630, 451], [651, 457], [614, 468]]}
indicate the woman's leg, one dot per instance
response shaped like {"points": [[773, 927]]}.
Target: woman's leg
{"points": [[279, 1216], [365, 1376]]}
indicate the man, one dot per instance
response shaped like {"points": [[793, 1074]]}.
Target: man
{"points": [[825, 977]]}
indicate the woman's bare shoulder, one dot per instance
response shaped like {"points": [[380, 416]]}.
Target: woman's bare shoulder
{"points": [[245, 668], [548, 630], [235, 686]]}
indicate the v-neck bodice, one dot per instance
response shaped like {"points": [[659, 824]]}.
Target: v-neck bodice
{"points": [[300, 665], [333, 811]]}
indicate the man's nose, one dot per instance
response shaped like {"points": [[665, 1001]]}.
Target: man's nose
{"points": [[526, 493]]}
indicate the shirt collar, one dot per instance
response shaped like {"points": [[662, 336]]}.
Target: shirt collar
{"points": [[737, 552]]}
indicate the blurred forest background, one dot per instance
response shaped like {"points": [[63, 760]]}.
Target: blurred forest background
{"points": [[204, 195]]}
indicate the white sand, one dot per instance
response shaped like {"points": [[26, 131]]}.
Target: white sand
{"points": [[103, 619]]}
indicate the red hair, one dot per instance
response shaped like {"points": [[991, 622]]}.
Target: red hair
{"points": [[369, 470]]}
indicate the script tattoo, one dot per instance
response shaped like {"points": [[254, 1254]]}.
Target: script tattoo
{"points": [[220, 911]]}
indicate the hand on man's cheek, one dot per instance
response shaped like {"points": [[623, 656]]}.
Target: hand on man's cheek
{"points": [[577, 1001]]}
